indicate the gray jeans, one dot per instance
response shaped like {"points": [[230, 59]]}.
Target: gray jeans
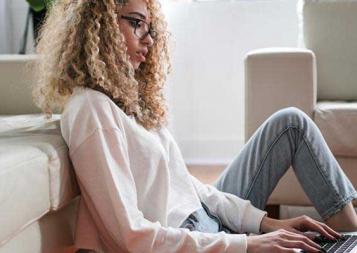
{"points": [[287, 138]]}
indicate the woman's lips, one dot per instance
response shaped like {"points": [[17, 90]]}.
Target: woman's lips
{"points": [[141, 57]]}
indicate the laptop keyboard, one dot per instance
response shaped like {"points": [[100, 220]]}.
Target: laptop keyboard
{"points": [[343, 245]]}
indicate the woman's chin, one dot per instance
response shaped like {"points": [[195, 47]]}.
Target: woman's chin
{"points": [[135, 64]]}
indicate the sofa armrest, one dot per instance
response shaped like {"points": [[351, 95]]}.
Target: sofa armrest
{"points": [[276, 78]]}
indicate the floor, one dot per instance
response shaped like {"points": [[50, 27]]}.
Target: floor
{"points": [[206, 173], [70, 250]]}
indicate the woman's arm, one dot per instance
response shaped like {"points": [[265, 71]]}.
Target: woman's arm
{"points": [[103, 172]]}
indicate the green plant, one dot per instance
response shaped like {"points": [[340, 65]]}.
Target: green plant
{"points": [[39, 5]]}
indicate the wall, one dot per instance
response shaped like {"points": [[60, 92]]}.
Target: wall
{"points": [[12, 24], [13, 18], [206, 88]]}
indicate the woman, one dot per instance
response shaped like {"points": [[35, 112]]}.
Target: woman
{"points": [[104, 64]]}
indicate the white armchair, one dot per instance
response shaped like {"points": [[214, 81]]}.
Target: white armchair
{"points": [[320, 79]]}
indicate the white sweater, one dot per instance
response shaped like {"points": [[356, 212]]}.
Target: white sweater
{"points": [[136, 190]]}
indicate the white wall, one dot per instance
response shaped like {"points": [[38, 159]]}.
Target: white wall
{"points": [[12, 24], [206, 88]]}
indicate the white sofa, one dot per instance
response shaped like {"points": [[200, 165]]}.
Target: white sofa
{"points": [[320, 79], [38, 191]]}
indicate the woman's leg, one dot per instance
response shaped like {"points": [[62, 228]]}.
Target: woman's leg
{"points": [[290, 137]]}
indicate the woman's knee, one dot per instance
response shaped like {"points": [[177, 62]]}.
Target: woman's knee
{"points": [[290, 115]]}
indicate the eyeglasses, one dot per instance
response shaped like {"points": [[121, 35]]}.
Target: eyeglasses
{"points": [[141, 28]]}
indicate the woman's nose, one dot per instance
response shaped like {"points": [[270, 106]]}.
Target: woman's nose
{"points": [[148, 40]]}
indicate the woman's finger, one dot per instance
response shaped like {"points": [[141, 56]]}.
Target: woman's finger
{"points": [[322, 229], [306, 223], [294, 230], [286, 250], [330, 230], [301, 245], [290, 236]]}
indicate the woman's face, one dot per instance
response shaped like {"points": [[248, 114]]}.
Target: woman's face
{"points": [[134, 22]]}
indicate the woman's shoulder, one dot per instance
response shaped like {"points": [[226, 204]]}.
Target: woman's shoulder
{"points": [[90, 109], [87, 99]]}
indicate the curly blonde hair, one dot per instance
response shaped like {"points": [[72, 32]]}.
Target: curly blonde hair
{"points": [[80, 44]]}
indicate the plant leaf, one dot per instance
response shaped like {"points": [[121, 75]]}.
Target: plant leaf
{"points": [[37, 5], [48, 3]]}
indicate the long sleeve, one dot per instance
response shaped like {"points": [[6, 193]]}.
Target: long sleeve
{"points": [[108, 186], [236, 213]]}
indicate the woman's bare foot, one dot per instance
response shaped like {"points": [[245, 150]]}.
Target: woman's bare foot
{"points": [[344, 220]]}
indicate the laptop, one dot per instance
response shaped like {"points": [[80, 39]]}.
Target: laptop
{"points": [[348, 244]]}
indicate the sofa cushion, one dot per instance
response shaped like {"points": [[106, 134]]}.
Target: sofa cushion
{"points": [[337, 121], [24, 184], [35, 173], [54, 233]]}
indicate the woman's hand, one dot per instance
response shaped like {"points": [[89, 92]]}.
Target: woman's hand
{"points": [[298, 225], [289, 234], [280, 241]]}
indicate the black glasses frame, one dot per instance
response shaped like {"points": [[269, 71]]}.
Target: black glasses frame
{"points": [[151, 31]]}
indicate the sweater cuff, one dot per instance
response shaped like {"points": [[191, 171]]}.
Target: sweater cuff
{"points": [[252, 220], [237, 243]]}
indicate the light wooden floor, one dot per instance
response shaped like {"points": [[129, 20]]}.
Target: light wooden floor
{"points": [[70, 250], [206, 173]]}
